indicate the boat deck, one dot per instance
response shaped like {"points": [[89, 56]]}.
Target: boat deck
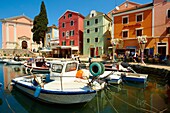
{"points": [[67, 86]]}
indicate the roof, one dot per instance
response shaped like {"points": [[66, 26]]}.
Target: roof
{"points": [[72, 12], [99, 14], [133, 8], [53, 26], [16, 17], [121, 5]]}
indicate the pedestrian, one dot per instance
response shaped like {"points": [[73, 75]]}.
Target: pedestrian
{"points": [[134, 57]]}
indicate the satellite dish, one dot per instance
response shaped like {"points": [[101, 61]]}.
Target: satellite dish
{"points": [[117, 7]]}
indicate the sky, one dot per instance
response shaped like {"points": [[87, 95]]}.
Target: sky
{"points": [[55, 8]]}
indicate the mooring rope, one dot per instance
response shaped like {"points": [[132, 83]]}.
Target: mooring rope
{"points": [[111, 103], [131, 104], [137, 98]]}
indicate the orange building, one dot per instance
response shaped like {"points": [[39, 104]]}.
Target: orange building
{"points": [[131, 20]]}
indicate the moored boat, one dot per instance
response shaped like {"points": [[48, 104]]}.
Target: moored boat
{"points": [[112, 77], [36, 65], [65, 84], [135, 77]]}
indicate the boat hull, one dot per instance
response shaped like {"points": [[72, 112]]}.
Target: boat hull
{"points": [[134, 77], [57, 97]]}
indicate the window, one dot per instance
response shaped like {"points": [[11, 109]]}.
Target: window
{"points": [[96, 30], [139, 17], [96, 21], [63, 34], [167, 0], [88, 30], [88, 23], [72, 23], [69, 15], [96, 39], [168, 30], [67, 34], [92, 15], [125, 20], [88, 40], [63, 43], [168, 15], [139, 32], [72, 42], [63, 25], [72, 33], [125, 34], [64, 17]]}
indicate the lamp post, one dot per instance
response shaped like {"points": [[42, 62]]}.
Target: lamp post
{"points": [[142, 42], [114, 43]]}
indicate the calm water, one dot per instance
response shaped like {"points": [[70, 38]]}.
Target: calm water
{"points": [[126, 98]]}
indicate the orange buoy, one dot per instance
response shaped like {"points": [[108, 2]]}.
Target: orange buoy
{"points": [[79, 74]]}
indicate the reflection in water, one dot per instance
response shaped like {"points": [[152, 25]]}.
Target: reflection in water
{"points": [[1, 101], [32, 106], [123, 98]]}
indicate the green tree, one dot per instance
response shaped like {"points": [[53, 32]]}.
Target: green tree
{"points": [[40, 25]]}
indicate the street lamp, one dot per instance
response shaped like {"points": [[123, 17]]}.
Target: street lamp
{"points": [[142, 42], [114, 43]]}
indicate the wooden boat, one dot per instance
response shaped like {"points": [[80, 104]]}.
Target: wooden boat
{"points": [[64, 85], [36, 65]]}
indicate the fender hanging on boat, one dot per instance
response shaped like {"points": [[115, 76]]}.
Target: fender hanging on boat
{"points": [[96, 68], [37, 91]]}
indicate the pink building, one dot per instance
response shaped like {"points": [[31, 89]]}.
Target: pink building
{"points": [[16, 33], [161, 25]]}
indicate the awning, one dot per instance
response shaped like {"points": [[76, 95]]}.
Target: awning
{"points": [[74, 48], [65, 47], [46, 50]]}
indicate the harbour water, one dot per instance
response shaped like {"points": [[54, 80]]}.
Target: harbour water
{"points": [[124, 98]]}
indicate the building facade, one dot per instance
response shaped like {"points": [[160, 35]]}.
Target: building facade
{"points": [[52, 37], [97, 34], [70, 34], [131, 20], [16, 33], [161, 27]]}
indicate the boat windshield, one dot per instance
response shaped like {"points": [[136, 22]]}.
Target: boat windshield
{"points": [[71, 67], [57, 68]]}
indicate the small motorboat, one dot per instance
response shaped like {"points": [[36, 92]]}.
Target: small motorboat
{"points": [[112, 77], [14, 62], [36, 65], [135, 77], [65, 84], [116, 67]]}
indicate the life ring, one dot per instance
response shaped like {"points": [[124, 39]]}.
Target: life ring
{"points": [[96, 68]]}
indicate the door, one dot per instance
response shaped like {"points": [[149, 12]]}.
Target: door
{"points": [[91, 52], [24, 45]]}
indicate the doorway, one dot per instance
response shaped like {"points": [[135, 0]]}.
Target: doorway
{"points": [[92, 52], [24, 45]]}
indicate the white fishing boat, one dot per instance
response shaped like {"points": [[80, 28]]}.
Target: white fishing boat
{"points": [[116, 67], [13, 62], [112, 77], [64, 85], [36, 65]]}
